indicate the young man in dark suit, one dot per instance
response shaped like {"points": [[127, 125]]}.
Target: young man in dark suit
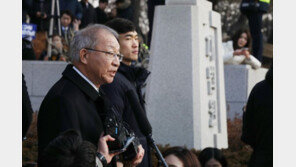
{"points": [[128, 79]]}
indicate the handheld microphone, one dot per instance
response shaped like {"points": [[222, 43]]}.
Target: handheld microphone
{"points": [[144, 124]]}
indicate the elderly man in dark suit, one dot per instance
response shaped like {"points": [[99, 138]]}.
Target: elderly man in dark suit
{"points": [[76, 100]]}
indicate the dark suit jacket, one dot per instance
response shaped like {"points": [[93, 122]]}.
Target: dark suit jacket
{"points": [[89, 15], [72, 103]]}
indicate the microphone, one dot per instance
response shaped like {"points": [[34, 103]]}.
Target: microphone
{"points": [[144, 124], [140, 115]]}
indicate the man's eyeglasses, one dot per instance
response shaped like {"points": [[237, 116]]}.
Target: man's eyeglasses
{"points": [[109, 54]]}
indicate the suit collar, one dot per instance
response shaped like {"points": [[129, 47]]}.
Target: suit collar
{"points": [[72, 75], [134, 74]]}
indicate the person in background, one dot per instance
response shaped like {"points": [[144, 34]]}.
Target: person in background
{"points": [[69, 26], [100, 10], [40, 14], [180, 157], [72, 5], [254, 9], [257, 128], [58, 51], [210, 157], [112, 14], [27, 50], [128, 79], [89, 15], [125, 9], [26, 8], [237, 51]]}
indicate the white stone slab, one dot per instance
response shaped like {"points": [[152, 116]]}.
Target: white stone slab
{"points": [[185, 57]]}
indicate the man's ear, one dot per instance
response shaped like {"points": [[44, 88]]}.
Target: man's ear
{"points": [[83, 56]]}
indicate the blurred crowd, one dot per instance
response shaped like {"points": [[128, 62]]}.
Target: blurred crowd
{"points": [[75, 15]]}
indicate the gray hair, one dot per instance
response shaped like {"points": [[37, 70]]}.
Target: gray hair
{"points": [[86, 38]]}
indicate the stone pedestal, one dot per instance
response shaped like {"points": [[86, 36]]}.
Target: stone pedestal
{"points": [[185, 92]]}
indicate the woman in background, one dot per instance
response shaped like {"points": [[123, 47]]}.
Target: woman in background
{"points": [[180, 157], [237, 51]]}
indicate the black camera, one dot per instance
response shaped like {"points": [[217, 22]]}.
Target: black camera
{"points": [[125, 140]]}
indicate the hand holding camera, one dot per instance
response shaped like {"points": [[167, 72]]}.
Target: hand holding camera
{"points": [[125, 140], [103, 148]]}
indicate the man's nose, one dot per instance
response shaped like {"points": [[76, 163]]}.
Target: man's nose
{"points": [[135, 43], [116, 62]]}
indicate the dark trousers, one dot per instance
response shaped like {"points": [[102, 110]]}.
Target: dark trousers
{"points": [[255, 24]]}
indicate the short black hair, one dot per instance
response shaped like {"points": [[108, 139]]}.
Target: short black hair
{"points": [[103, 1], [121, 25], [69, 13], [208, 153], [68, 150]]}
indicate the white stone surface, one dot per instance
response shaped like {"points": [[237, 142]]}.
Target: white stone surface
{"points": [[182, 2], [239, 81], [185, 57], [40, 76]]}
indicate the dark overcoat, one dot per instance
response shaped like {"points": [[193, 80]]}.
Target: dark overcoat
{"points": [[72, 103], [258, 123]]}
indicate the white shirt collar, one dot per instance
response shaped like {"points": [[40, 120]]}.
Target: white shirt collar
{"points": [[64, 28], [85, 78]]}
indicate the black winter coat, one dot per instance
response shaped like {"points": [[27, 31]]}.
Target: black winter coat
{"points": [[27, 110], [129, 78], [71, 103], [258, 122]]}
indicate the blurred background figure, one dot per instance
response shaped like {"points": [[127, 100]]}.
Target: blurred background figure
{"points": [[180, 157], [254, 9], [58, 52], [89, 15], [237, 51], [69, 26], [100, 10], [26, 8], [125, 9], [27, 50], [258, 122], [72, 5], [212, 157], [112, 14], [151, 7], [40, 14]]}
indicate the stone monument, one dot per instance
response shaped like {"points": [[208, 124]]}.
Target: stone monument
{"points": [[185, 93]]}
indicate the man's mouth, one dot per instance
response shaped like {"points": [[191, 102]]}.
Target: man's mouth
{"points": [[112, 73]]}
